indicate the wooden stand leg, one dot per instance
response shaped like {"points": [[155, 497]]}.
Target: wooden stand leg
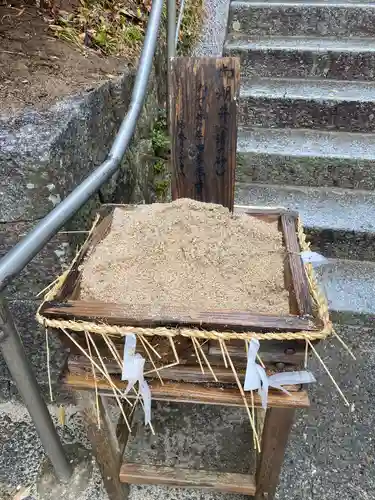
{"points": [[277, 425], [108, 442]]}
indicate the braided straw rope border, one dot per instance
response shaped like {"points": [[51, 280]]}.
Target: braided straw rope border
{"points": [[319, 300]]}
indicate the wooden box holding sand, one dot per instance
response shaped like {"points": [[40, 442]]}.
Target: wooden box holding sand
{"points": [[192, 281], [195, 283], [186, 272]]}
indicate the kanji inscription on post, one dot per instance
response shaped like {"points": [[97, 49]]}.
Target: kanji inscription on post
{"points": [[203, 128]]}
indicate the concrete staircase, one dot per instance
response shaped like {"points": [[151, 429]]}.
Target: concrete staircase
{"points": [[307, 130]]}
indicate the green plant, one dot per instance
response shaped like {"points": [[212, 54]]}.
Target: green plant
{"points": [[117, 27], [160, 142], [161, 149], [161, 189], [159, 167], [190, 26], [111, 27], [159, 136], [133, 34]]}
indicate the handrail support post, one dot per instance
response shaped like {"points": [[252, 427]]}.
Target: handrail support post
{"points": [[22, 374], [171, 37]]}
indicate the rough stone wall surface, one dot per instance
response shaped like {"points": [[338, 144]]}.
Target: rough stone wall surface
{"points": [[44, 155]]}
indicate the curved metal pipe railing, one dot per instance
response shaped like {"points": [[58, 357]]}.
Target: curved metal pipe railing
{"points": [[17, 258]]}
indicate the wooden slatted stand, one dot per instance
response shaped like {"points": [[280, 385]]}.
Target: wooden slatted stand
{"points": [[261, 483], [203, 112]]}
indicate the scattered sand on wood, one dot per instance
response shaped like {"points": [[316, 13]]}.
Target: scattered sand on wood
{"points": [[188, 256]]}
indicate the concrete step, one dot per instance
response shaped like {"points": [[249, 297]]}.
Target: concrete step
{"points": [[289, 17], [303, 57], [316, 104], [350, 288], [306, 157], [340, 222]]}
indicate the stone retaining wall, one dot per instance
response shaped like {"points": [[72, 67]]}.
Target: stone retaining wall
{"points": [[43, 156]]}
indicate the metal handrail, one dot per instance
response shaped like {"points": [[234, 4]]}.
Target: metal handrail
{"points": [[19, 256]]}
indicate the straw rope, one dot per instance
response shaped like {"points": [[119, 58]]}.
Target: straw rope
{"points": [[320, 303], [121, 331]]}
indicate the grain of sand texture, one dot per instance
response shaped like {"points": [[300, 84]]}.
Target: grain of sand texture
{"points": [[188, 256]]}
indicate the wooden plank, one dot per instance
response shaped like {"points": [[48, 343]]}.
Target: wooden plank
{"points": [[188, 478], [276, 429], [203, 128], [80, 365], [116, 314], [264, 211], [271, 351], [300, 284], [162, 345], [104, 443], [192, 393]]}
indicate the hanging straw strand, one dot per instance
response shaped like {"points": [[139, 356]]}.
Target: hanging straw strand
{"points": [[112, 348], [151, 347], [206, 360], [107, 375], [108, 378], [113, 386], [171, 365], [223, 353], [49, 367], [329, 374], [253, 414], [260, 361], [171, 341], [242, 392], [344, 344], [116, 356], [197, 355], [306, 354], [150, 358], [95, 382]]}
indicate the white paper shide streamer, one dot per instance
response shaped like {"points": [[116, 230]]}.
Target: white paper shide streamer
{"points": [[316, 260], [313, 258], [256, 378], [133, 372]]}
